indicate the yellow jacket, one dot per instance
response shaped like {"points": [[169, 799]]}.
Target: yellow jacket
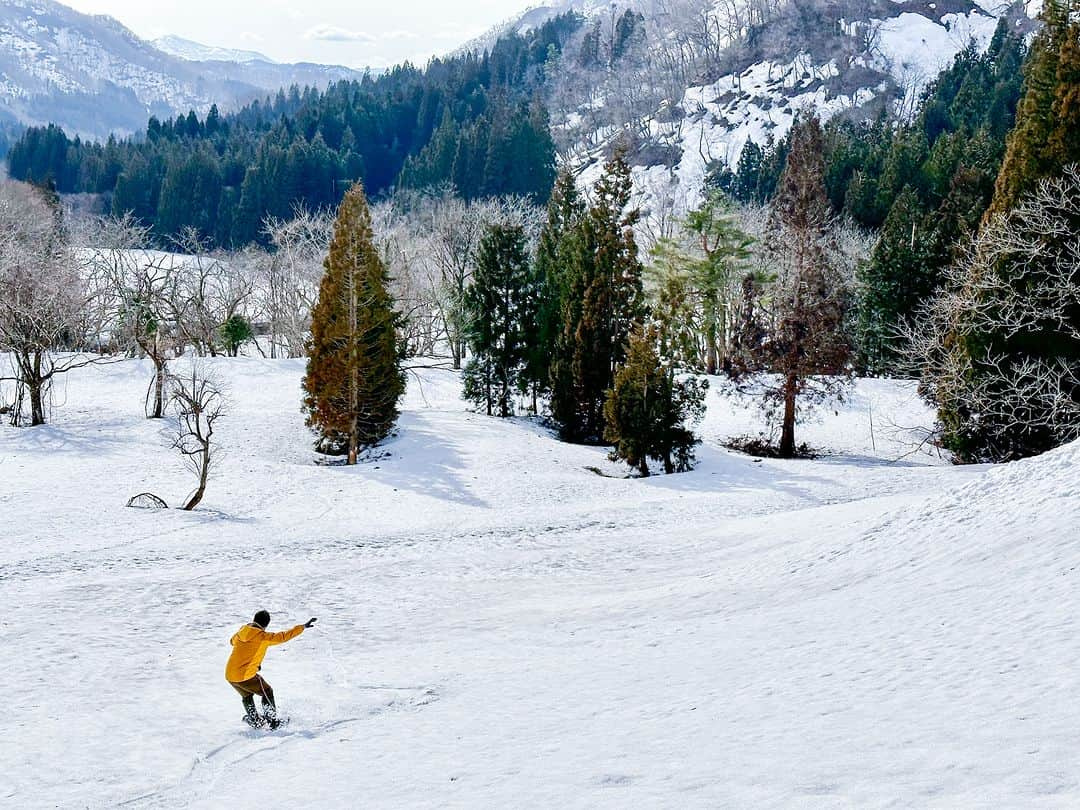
{"points": [[249, 645]]}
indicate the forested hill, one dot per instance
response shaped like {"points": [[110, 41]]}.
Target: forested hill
{"points": [[471, 120]]}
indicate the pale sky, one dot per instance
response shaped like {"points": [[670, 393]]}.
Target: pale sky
{"points": [[361, 33]]}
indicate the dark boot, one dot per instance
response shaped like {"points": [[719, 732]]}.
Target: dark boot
{"points": [[251, 716]]}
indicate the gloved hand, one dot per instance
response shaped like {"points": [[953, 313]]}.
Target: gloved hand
{"points": [[310, 622]]}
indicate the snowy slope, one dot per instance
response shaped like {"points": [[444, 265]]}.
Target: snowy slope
{"points": [[197, 52], [93, 76], [501, 627]]}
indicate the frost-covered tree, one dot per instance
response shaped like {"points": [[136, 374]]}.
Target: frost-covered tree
{"points": [[999, 348], [143, 288], [289, 282], [43, 298]]}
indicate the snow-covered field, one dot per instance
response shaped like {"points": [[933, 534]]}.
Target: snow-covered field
{"points": [[501, 627]]}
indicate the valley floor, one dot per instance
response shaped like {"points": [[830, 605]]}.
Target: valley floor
{"points": [[499, 626]]}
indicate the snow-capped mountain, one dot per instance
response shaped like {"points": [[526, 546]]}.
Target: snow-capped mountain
{"points": [[93, 76], [197, 52]]}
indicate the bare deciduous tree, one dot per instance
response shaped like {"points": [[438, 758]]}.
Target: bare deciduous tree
{"points": [[142, 288], [289, 283], [43, 299], [198, 402]]}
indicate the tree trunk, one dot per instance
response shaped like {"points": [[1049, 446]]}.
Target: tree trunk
{"points": [[36, 386], [354, 372], [669, 465], [159, 389], [37, 407], [204, 474], [787, 434], [643, 467]]}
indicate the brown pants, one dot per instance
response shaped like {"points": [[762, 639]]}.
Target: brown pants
{"points": [[253, 687]]}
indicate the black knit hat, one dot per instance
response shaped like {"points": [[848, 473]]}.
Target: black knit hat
{"points": [[262, 618]]}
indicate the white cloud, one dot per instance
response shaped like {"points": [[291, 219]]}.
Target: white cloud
{"points": [[334, 33]]}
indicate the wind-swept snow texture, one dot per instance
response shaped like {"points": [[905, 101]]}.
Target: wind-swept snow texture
{"points": [[501, 627]]}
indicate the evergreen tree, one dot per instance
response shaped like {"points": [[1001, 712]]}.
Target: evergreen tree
{"points": [[235, 332], [648, 408], [710, 254], [1041, 142], [896, 280], [792, 341], [601, 300], [496, 305], [354, 378], [550, 284]]}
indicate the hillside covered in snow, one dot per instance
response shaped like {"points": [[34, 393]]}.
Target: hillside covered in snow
{"points": [[94, 77], [874, 628], [687, 83]]}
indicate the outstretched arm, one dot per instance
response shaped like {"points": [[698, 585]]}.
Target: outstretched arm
{"points": [[284, 635]]}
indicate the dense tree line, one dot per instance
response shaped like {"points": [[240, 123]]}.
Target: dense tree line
{"points": [[923, 185], [469, 120], [999, 348]]}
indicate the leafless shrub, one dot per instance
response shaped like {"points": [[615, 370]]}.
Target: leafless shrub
{"points": [[992, 349], [198, 401]]}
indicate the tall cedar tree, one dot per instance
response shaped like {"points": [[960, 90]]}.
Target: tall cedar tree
{"points": [[497, 307], [557, 239], [649, 407], [354, 377], [602, 298], [1045, 136], [799, 348]]}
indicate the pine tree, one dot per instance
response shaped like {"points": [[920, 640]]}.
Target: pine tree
{"points": [[550, 284], [893, 283], [496, 306], [1037, 145], [1064, 143], [792, 342], [710, 254], [354, 378], [648, 408], [602, 298]]}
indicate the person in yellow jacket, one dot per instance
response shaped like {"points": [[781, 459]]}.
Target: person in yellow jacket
{"points": [[249, 645]]}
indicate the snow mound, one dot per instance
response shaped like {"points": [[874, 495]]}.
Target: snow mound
{"points": [[1026, 501]]}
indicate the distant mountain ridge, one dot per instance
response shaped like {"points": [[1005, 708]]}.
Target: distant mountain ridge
{"points": [[197, 52], [95, 77]]}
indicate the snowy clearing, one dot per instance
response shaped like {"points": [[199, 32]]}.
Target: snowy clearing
{"points": [[501, 627]]}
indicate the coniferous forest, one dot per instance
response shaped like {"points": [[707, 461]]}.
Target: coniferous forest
{"points": [[472, 121]]}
